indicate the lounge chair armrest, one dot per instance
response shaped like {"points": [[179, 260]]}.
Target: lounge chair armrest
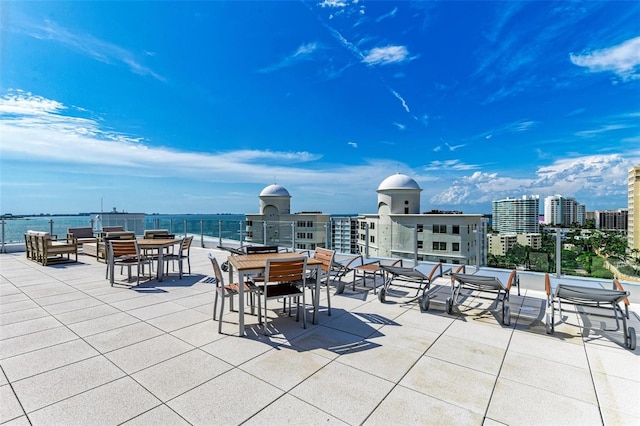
{"points": [[512, 279], [618, 286], [349, 264]]}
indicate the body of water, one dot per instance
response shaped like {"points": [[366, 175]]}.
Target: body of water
{"points": [[230, 225]]}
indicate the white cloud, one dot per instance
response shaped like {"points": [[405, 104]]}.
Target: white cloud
{"points": [[449, 165], [454, 147], [400, 126], [86, 44], [593, 177], [401, 99], [38, 135], [306, 49], [333, 3], [386, 55], [388, 15], [602, 129], [303, 52], [623, 59], [353, 144]]}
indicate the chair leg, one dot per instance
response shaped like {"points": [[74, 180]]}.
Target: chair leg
{"points": [[215, 305], [259, 309], [328, 297], [264, 324], [221, 313]]}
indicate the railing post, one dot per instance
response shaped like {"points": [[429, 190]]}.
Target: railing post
{"points": [[3, 248], [201, 233], [50, 226], [264, 233], [366, 242], [327, 235], [126, 224], [293, 236], [171, 226], [477, 232], [185, 228], [415, 245], [219, 233], [240, 236], [558, 253]]}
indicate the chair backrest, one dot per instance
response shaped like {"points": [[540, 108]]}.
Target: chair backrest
{"points": [[286, 270], [326, 256], [106, 229], [85, 232], [120, 235], [217, 273], [119, 248], [261, 249], [151, 233], [186, 244], [160, 236]]}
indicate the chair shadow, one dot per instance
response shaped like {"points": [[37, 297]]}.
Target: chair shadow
{"points": [[286, 332], [171, 281]]}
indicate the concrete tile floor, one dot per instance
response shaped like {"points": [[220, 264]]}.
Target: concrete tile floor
{"points": [[74, 350]]}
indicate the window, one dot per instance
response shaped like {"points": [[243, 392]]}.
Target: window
{"points": [[372, 225], [372, 239], [439, 246], [420, 227], [455, 246], [420, 244], [310, 235], [300, 235], [455, 229], [439, 229], [363, 225], [309, 224], [406, 210], [249, 223], [300, 224]]}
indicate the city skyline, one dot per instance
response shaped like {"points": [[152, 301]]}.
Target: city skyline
{"points": [[195, 107]]}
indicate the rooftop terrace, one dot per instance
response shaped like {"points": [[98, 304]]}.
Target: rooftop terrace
{"points": [[74, 350]]}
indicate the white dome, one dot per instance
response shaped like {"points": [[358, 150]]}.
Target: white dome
{"points": [[275, 191], [398, 181]]}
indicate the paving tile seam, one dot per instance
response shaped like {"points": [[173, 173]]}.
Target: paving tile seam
{"points": [[397, 384], [10, 384], [593, 383], [497, 376], [154, 408], [86, 391], [60, 366]]}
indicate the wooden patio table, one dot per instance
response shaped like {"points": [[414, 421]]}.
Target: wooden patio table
{"points": [[255, 264]]}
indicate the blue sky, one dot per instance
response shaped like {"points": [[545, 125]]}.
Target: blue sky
{"points": [[195, 107]]}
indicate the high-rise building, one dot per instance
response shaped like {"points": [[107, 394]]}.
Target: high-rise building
{"points": [[615, 220], [633, 225], [563, 211], [516, 215], [344, 231]]}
